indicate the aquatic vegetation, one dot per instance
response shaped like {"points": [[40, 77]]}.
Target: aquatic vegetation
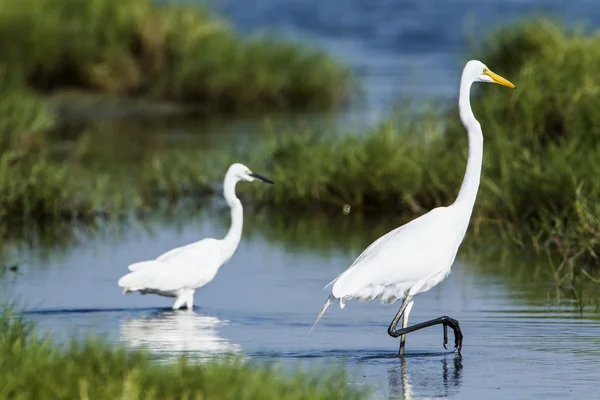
{"points": [[35, 184], [34, 367], [139, 48], [381, 172], [133, 48], [172, 176]]}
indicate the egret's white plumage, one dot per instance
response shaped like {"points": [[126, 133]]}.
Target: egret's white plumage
{"points": [[417, 256], [179, 272]]}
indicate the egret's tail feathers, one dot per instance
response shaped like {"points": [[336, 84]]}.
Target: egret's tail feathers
{"points": [[330, 300]]}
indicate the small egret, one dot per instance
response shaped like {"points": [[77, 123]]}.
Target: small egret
{"points": [[179, 272], [417, 256]]}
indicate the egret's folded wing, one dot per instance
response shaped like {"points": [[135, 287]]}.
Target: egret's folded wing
{"points": [[171, 253], [138, 265], [401, 258], [368, 251], [188, 266], [204, 251], [155, 275]]}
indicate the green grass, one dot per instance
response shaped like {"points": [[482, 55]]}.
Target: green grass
{"points": [[382, 172], [138, 48], [34, 367]]}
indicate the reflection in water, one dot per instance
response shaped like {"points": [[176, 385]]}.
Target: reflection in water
{"points": [[425, 378], [170, 334]]}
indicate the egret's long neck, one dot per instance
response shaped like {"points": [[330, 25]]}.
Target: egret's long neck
{"points": [[232, 239], [468, 190]]}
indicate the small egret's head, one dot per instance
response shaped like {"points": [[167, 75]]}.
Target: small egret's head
{"points": [[243, 173], [479, 72]]}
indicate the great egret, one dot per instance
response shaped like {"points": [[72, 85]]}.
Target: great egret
{"points": [[417, 256], [179, 272]]}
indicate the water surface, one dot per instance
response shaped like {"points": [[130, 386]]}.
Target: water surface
{"points": [[262, 304]]}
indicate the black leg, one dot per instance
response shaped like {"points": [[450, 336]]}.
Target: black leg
{"points": [[445, 321]]}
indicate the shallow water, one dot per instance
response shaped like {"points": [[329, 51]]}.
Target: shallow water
{"points": [[262, 304]]}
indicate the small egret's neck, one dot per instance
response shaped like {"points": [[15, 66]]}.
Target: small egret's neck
{"points": [[232, 239], [470, 185]]}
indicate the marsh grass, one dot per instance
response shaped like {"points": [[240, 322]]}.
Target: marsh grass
{"points": [[382, 172], [173, 176], [131, 48], [36, 367], [33, 185], [173, 52]]}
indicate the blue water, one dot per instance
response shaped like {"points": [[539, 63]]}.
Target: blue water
{"points": [[263, 302]]}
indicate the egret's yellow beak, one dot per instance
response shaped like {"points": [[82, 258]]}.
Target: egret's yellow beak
{"points": [[498, 79]]}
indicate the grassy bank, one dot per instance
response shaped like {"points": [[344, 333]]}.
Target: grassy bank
{"points": [[138, 48], [35, 367]]}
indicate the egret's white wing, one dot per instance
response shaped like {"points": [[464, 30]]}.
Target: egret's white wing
{"points": [[191, 266], [172, 252], [138, 265], [400, 259], [370, 249]]}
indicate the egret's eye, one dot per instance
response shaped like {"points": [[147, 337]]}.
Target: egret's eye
{"points": [[248, 172]]}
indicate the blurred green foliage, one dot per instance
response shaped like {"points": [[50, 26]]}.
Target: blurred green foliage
{"points": [[174, 52]]}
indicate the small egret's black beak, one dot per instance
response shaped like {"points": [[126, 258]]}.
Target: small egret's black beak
{"points": [[262, 178]]}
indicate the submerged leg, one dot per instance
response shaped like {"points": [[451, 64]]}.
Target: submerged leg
{"points": [[189, 302], [392, 328], [405, 324], [180, 301], [445, 321]]}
